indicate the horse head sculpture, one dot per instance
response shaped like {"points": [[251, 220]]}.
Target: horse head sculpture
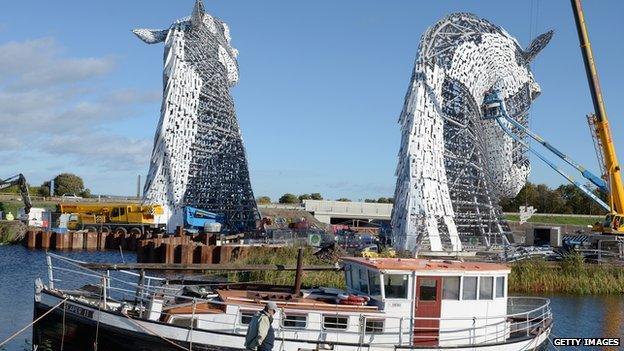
{"points": [[454, 165]]}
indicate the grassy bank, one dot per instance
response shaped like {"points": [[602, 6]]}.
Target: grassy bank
{"points": [[574, 220], [570, 276], [533, 277], [11, 231]]}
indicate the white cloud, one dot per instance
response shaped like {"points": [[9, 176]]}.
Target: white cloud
{"points": [[108, 150], [36, 64], [52, 105]]}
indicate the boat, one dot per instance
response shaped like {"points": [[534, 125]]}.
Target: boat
{"points": [[388, 304]]}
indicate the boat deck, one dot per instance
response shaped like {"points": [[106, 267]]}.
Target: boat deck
{"points": [[258, 299]]}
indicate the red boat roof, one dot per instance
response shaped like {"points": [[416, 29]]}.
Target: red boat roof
{"points": [[421, 264]]}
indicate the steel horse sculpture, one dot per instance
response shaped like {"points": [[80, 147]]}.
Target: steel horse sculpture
{"points": [[198, 157], [454, 165]]}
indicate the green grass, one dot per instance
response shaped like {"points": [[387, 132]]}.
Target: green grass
{"points": [[11, 231], [574, 220], [570, 276]]}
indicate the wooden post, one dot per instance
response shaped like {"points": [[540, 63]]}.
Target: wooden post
{"points": [[46, 240], [31, 239], [299, 273]]}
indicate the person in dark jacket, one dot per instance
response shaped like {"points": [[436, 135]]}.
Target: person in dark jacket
{"points": [[260, 334]]}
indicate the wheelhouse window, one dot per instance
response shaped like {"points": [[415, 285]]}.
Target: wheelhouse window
{"points": [[450, 288], [395, 286], [335, 322], [486, 288], [469, 291], [364, 280], [500, 286], [295, 321], [246, 316], [373, 283], [355, 277], [428, 289], [374, 326]]}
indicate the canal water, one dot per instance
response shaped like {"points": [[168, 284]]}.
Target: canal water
{"points": [[575, 316]]}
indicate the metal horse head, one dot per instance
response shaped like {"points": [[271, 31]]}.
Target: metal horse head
{"points": [[454, 165]]}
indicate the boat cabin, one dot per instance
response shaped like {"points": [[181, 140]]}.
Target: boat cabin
{"points": [[445, 302]]}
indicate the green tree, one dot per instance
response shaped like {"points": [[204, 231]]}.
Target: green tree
{"points": [[85, 193], [316, 196], [44, 189], [289, 198], [344, 199], [68, 183], [263, 200], [304, 197], [370, 200]]}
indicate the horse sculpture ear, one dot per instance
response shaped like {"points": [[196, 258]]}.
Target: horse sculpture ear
{"points": [[198, 13], [151, 36], [537, 45]]}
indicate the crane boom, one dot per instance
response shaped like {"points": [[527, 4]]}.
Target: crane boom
{"points": [[21, 183], [612, 167], [494, 108]]}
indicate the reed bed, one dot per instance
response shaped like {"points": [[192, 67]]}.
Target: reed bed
{"points": [[288, 256], [570, 276]]}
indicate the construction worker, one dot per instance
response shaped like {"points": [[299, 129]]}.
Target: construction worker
{"points": [[260, 333]]}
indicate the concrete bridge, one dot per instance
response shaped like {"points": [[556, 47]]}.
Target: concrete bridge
{"points": [[325, 210]]}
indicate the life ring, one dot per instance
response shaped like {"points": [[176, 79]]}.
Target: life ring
{"points": [[352, 299], [349, 302]]}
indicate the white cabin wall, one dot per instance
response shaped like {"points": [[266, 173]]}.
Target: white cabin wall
{"points": [[468, 309]]}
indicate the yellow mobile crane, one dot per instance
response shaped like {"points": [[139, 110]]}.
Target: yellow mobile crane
{"points": [[614, 221]]}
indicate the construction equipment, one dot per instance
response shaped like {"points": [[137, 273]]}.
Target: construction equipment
{"points": [[121, 218], [20, 181], [198, 220], [614, 221], [494, 108]]}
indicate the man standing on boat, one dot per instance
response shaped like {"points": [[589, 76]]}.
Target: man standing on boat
{"points": [[260, 333]]}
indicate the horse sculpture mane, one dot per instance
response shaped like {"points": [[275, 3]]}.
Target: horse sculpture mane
{"points": [[453, 165]]}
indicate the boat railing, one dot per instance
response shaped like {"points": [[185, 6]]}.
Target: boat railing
{"points": [[525, 317]]}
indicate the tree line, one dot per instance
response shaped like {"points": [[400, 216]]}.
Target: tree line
{"points": [[563, 199]]}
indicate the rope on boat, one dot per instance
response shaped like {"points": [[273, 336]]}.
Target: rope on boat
{"points": [[100, 304], [31, 323], [154, 333], [63, 336]]}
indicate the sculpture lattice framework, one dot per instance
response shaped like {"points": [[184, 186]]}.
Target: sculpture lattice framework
{"points": [[453, 165], [198, 157]]}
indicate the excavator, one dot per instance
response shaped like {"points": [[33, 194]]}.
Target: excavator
{"points": [[610, 182], [20, 181]]}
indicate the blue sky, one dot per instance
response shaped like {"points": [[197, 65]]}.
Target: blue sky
{"points": [[322, 84]]}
